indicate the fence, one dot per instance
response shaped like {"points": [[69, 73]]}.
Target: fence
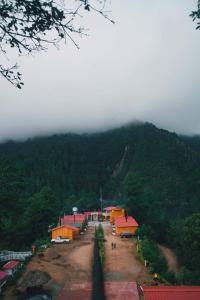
{"points": [[11, 255]]}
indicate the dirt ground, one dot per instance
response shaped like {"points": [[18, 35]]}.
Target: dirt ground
{"points": [[121, 264], [68, 265], [171, 259], [70, 268]]}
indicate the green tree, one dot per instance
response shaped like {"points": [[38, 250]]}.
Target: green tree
{"points": [[134, 193], [190, 242], [11, 186], [42, 210]]}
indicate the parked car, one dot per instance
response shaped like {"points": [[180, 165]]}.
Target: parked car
{"points": [[60, 240], [126, 235]]}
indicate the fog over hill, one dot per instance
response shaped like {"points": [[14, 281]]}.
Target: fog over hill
{"points": [[145, 67]]}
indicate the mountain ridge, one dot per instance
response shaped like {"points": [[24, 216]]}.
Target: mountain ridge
{"points": [[75, 167]]}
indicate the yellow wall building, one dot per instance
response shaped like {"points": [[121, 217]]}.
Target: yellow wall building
{"points": [[125, 225], [65, 231], [115, 213]]}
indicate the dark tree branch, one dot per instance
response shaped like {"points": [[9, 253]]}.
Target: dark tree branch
{"points": [[26, 26], [196, 15]]}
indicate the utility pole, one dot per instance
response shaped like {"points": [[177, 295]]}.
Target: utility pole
{"points": [[101, 199]]}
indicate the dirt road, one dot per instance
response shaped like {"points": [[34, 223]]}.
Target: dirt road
{"points": [[171, 258], [69, 266], [121, 264]]}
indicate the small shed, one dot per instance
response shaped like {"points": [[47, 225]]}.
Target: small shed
{"points": [[65, 231], [115, 213], [177, 292], [3, 279], [11, 267], [125, 225]]}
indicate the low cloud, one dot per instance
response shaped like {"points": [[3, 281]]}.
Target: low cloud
{"points": [[145, 67]]}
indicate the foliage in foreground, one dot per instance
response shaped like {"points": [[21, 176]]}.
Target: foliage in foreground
{"points": [[31, 26]]}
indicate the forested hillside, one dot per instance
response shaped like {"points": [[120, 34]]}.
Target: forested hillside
{"points": [[154, 173]]}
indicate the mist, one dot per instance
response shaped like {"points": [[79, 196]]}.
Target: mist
{"points": [[144, 67]]}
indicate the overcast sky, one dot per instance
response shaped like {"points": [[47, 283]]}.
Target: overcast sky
{"points": [[145, 67]]}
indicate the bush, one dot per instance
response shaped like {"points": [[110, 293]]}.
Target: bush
{"points": [[98, 292], [99, 232], [99, 235], [151, 253], [40, 242], [146, 231], [170, 277], [189, 277]]}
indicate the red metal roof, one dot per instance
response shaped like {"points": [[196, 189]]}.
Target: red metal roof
{"points": [[79, 218], [3, 275], [125, 222], [171, 292], [66, 226], [10, 265]]}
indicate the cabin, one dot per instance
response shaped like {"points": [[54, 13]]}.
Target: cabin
{"points": [[115, 213], [107, 211], [11, 267], [177, 292], [65, 231], [3, 279], [75, 220], [125, 225]]}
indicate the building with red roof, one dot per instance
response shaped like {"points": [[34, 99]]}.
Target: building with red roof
{"points": [[11, 267], [115, 213], [65, 231], [73, 220], [171, 292], [3, 279], [125, 225]]}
